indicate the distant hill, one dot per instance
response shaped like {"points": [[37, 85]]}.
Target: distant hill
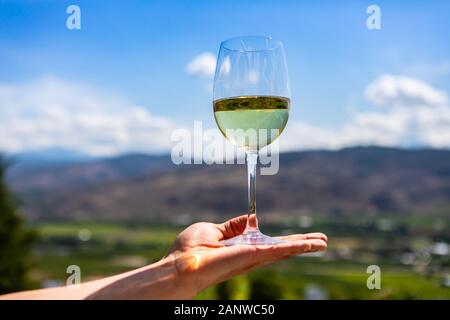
{"points": [[353, 181], [47, 157], [51, 175]]}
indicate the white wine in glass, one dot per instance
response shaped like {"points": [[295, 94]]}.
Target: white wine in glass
{"points": [[266, 116], [251, 108]]}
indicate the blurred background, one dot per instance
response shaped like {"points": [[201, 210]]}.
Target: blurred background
{"points": [[87, 111]]}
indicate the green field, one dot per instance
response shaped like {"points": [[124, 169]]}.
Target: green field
{"points": [[402, 248]]}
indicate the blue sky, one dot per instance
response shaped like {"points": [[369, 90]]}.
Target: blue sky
{"points": [[138, 51]]}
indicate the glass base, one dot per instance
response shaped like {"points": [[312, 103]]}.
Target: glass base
{"points": [[252, 238]]}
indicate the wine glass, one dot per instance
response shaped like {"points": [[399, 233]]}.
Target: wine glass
{"points": [[251, 108]]}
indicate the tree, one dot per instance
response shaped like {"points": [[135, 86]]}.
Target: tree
{"points": [[15, 240]]}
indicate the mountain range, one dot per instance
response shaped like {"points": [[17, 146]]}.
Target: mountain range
{"points": [[349, 182]]}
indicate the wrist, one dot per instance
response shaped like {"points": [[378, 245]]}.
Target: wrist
{"points": [[185, 277]]}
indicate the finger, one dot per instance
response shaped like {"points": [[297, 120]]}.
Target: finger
{"points": [[233, 227], [266, 254], [298, 248], [291, 247], [314, 235], [225, 262], [245, 256]]}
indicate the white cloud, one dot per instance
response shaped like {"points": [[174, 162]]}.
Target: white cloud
{"points": [[403, 91], [418, 115], [202, 65], [50, 112]]}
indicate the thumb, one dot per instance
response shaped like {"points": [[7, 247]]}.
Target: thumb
{"points": [[232, 227]]}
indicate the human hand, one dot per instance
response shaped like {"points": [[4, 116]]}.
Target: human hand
{"points": [[201, 261]]}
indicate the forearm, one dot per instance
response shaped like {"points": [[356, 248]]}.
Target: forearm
{"points": [[156, 281], [160, 280]]}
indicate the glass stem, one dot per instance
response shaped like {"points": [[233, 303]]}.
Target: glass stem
{"points": [[252, 221]]}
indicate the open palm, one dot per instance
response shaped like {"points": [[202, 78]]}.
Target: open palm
{"points": [[203, 261]]}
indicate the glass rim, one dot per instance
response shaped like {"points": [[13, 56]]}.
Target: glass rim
{"points": [[277, 44]]}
